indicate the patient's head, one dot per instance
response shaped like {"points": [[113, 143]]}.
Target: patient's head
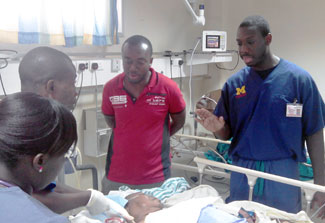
{"points": [[140, 205], [35, 134]]}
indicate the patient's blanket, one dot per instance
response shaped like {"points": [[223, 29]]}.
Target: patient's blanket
{"points": [[210, 214], [203, 204], [169, 188], [187, 207], [196, 192], [264, 213], [184, 211]]}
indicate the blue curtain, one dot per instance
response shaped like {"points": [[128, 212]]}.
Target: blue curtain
{"points": [[60, 22]]}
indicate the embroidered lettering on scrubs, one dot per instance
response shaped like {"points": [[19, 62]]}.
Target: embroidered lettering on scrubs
{"points": [[294, 109]]}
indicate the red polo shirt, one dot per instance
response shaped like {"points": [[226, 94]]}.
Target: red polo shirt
{"points": [[139, 150]]}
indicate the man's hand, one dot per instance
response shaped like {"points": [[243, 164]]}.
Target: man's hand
{"points": [[318, 201], [209, 121]]}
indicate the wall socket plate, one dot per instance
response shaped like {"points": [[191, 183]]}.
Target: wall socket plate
{"points": [[116, 65], [86, 63], [100, 64]]}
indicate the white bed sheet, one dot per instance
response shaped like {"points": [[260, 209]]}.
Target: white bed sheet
{"points": [[186, 207]]}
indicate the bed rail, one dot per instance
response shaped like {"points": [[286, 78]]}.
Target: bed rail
{"points": [[252, 175]]}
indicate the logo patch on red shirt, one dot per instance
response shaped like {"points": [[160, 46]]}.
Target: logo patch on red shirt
{"points": [[118, 99], [156, 100]]}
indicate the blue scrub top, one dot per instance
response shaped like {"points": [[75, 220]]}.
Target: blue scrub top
{"points": [[255, 110], [17, 206]]}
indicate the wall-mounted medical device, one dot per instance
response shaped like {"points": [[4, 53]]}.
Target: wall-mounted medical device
{"points": [[214, 41]]}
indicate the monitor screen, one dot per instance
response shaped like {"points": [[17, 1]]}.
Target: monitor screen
{"points": [[213, 41]]}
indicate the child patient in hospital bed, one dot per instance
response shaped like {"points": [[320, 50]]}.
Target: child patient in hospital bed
{"points": [[201, 204]]}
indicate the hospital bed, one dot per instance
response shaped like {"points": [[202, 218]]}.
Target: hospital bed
{"points": [[187, 205], [191, 207], [222, 169]]}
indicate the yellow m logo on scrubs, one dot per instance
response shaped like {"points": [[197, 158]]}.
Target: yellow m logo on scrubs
{"points": [[241, 90]]}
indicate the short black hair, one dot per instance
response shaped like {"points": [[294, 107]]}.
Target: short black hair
{"points": [[42, 64], [31, 124], [138, 39], [258, 22]]}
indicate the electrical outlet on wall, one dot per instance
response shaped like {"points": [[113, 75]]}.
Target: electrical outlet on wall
{"points": [[96, 65], [82, 66], [116, 65]]}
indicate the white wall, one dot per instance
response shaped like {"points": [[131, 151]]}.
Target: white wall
{"points": [[297, 27]]}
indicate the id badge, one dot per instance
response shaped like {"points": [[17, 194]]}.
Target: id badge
{"points": [[294, 110]]}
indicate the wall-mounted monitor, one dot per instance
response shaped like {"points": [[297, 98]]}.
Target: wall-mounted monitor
{"points": [[214, 41]]}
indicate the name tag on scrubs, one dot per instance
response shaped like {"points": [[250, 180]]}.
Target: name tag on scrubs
{"points": [[294, 110]]}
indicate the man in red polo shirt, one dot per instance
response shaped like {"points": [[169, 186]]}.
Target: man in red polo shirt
{"points": [[139, 104]]}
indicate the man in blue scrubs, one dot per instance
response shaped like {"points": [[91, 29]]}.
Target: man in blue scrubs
{"points": [[270, 108]]}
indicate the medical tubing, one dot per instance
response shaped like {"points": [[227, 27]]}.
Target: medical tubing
{"points": [[230, 69], [93, 171], [3, 87], [96, 96], [6, 63], [5, 59], [180, 63], [189, 179], [180, 75], [75, 171], [82, 78], [218, 154], [208, 98], [190, 81], [203, 138]]}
